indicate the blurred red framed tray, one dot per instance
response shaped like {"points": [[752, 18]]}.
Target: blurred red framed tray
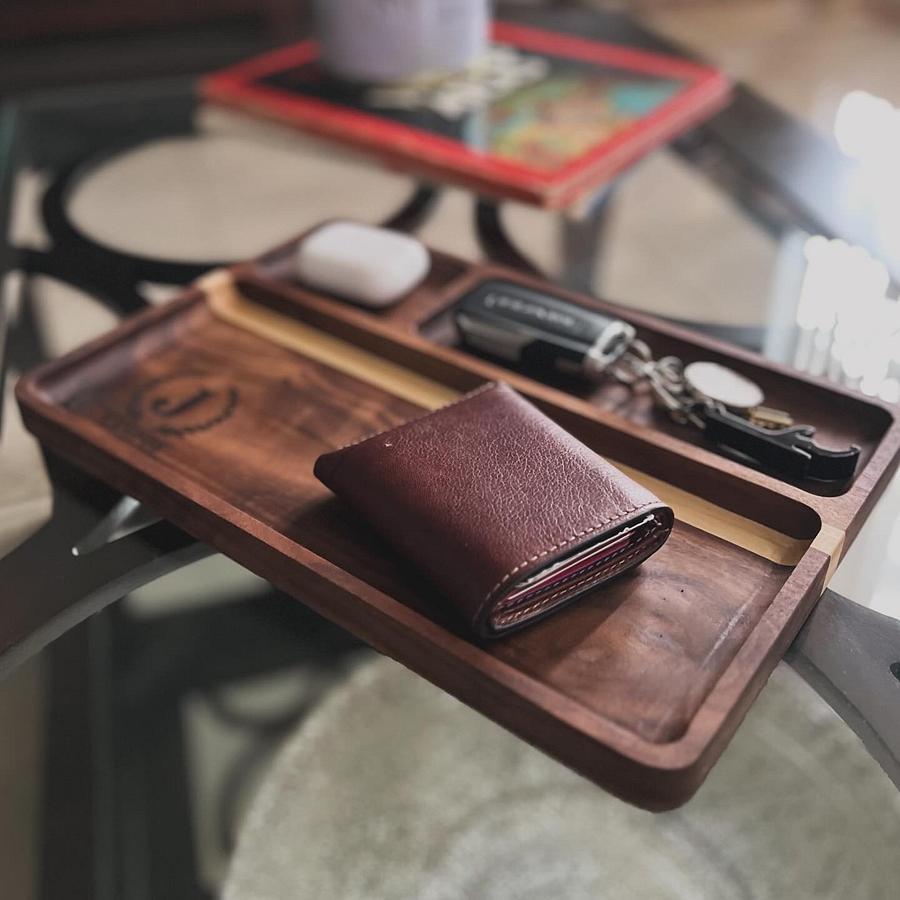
{"points": [[543, 117]]}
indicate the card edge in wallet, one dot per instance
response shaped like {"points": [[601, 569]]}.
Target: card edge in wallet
{"points": [[589, 578]]}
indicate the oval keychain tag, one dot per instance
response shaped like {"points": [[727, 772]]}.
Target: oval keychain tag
{"points": [[719, 384]]}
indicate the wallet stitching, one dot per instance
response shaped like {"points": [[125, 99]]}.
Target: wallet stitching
{"points": [[541, 603], [558, 546], [598, 570], [647, 538], [376, 434]]}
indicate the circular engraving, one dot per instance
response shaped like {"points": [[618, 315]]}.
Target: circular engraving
{"points": [[184, 402]]}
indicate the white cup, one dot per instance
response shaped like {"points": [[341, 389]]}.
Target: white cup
{"points": [[393, 40]]}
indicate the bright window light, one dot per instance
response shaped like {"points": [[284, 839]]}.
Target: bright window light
{"points": [[849, 327], [867, 127]]}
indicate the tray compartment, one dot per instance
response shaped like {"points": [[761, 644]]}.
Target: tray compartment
{"points": [[841, 419]]}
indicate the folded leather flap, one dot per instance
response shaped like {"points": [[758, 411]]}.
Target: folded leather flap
{"points": [[484, 492]]}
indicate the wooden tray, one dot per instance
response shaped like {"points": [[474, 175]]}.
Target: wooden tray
{"points": [[213, 408]]}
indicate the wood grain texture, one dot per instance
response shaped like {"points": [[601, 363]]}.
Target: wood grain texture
{"points": [[229, 305], [639, 686]]}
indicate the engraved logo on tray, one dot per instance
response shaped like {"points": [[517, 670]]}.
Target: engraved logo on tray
{"points": [[184, 403]]}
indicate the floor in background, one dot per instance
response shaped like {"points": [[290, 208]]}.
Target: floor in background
{"points": [[412, 796]]}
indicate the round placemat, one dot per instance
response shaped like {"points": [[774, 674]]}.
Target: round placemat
{"points": [[225, 197], [393, 789]]}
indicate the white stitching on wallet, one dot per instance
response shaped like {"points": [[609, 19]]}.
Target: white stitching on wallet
{"points": [[542, 603], [647, 536], [573, 537], [597, 572]]}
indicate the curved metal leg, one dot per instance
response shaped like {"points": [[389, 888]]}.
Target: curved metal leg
{"points": [[415, 212], [46, 587], [581, 242], [494, 241], [850, 656]]}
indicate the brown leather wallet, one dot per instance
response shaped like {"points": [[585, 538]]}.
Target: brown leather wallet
{"points": [[508, 514]]}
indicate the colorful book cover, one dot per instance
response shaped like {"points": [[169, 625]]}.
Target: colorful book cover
{"points": [[543, 117]]}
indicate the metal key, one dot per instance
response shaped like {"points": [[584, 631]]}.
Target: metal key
{"points": [[767, 417], [663, 376]]}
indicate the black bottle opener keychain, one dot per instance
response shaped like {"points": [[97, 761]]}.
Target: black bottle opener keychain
{"points": [[535, 330]]}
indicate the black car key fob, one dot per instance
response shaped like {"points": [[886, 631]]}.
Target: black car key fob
{"points": [[536, 330]]}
